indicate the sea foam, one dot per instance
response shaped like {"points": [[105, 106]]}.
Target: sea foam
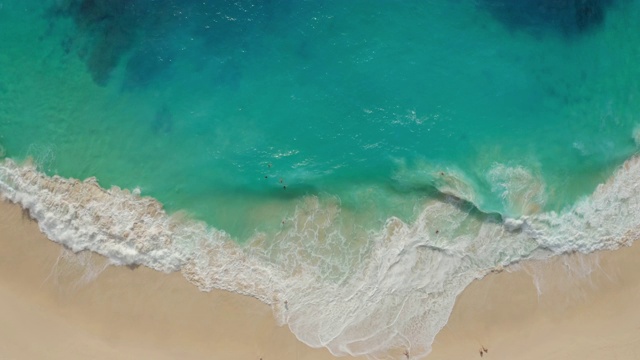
{"points": [[353, 292]]}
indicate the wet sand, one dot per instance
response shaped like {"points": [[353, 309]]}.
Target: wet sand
{"points": [[574, 316], [52, 307], [58, 305]]}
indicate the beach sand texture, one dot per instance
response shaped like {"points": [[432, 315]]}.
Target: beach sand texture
{"points": [[52, 307], [57, 305]]}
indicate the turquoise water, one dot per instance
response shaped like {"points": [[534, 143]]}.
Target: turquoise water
{"points": [[208, 106], [242, 113]]}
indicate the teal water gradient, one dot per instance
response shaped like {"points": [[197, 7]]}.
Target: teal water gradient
{"points": [[208, 108]]}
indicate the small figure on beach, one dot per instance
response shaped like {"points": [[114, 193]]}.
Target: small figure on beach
{"points": [[286, 305], [481, 353], [406, 353], [485, 349]]}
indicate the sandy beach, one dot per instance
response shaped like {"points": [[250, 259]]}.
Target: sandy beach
{"points": [[575, 316], [52, 307], [56, 305]]}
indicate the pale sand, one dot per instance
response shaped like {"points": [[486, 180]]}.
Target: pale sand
{"points": [[595, 317], [48, 311]]}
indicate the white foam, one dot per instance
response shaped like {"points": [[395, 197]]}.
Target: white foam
{"points": [[352, 291], [636, 135], [79, 268], [521, 192], [129, 229], [448, 180]]}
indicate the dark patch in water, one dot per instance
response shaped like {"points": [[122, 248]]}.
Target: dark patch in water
{"points": [[144, 65], [67, 45], [111, 27], [566, 17], [106, 55], [150, 34]]}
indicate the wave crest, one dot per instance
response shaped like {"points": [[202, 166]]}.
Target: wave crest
{"points": [[354, 291]]}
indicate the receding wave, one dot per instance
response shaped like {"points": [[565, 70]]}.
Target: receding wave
{"points": [[353, 291]]}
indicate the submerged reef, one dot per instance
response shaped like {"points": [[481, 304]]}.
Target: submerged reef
{"points": [[111, 27], [565, 17], [146, 36]]}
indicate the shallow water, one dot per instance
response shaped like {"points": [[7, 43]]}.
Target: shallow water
{"points": [[419, 127]]}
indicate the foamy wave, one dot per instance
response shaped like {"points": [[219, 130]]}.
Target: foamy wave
{"points": [[521, 191], [607, 219], [447, 180], [131, 230], [636, 135], [353, 291]]}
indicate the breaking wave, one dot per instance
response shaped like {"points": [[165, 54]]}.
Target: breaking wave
{"points": [[352, 291]]}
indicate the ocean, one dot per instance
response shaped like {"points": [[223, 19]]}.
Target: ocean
{"points": [[355, 165]]}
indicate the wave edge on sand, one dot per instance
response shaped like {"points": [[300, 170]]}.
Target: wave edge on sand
{"points": [[396, 290]]}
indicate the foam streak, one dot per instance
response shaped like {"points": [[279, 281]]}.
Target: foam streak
{"points": [[359, 294]]}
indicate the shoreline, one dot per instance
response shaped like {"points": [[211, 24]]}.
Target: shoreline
{"points": [[122, 313], [577, 306], [76, 306]]}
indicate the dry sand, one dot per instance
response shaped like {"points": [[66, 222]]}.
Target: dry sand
{"points": [[54, 305]]}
